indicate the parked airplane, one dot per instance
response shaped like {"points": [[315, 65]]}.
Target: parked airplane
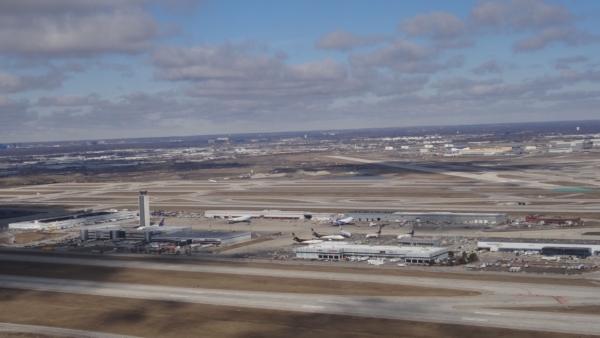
{"points": [[246, 218], [329, 237], [345, 233], [306, 241], [344, 221], [374, 235], [408, 235], [401, 222], [161, 223]]}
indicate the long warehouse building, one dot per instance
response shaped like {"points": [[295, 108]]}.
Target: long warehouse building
{"points": [[409, 254], [546, 247]]}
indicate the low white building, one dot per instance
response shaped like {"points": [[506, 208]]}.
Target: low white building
{"points": [[336, 251]]}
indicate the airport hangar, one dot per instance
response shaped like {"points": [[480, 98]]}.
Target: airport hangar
{"points": [[393, 216], [409, 254], [546, 247]]}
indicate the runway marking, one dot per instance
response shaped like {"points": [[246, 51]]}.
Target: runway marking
{"points": [[312, 307], [488, 313], [475, 319]]}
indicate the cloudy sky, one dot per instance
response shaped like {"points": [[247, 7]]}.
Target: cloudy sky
{"points": [[100, 69]]}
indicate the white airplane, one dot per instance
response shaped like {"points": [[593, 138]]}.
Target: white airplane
{"points": [[306, 241], [401, 222], [345, 233], [161, 223], [372, 224], [246, 218], [374, 235], [407, 235], [344, 221], [329, 237]]}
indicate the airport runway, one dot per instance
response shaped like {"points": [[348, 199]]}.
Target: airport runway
{"points": [[480, 310], [55, 331], [576, 295], [468, 311]]}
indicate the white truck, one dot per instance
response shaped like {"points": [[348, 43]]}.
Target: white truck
{"points": [[375, 262]]}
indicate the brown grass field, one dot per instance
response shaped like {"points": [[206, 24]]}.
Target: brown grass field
{"points": [[151, 318], [221, 281]]}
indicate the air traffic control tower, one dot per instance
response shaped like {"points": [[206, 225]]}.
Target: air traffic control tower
{"points": [[144, 208]]}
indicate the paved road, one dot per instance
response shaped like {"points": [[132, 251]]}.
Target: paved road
{"points": [[479, 310], [55, 331]]}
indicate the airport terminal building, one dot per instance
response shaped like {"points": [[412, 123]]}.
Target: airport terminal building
{"points": [[217, 238], [391, 216], [273, 214], [409, 254]]}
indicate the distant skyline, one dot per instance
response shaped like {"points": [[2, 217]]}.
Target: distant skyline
{"points": [[105, 69]]}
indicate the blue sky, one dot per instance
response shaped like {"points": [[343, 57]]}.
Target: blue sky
{"points": [[99, 69]]}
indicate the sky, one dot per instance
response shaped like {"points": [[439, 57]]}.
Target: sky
{"points": [[102, 69]]}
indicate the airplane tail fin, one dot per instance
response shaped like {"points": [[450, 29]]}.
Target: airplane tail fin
{"points": [[162, 222], [295, 237], [314, 232]]}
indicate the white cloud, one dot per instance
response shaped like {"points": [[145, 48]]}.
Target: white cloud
{"points": [[74, 28]]}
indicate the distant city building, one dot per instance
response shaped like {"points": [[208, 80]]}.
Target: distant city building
{"points": [[577, 144]]}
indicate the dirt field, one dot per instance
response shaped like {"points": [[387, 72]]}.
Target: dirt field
{"points": [[221, 281], [584, 310], [28, 237], [147, 318]]}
